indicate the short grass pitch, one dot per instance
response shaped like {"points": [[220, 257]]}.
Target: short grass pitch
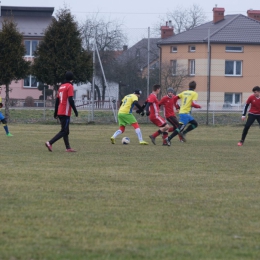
{"points": [[194, 200]]}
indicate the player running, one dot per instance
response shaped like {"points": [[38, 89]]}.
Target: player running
{"points": [[188, 100], [126, 117], [169, 102], [253, 113], [2, 118], [153, 111]]}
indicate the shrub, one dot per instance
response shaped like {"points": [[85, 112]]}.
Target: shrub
{"points": [[29, 102]]}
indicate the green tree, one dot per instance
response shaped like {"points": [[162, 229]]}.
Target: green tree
{"points": [[61, 50], [12, 63]]}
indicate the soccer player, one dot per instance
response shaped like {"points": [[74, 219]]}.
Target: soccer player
{"points": [[188, 100], [253, 113], [63, 105], [153, 111], [169, 102], [2, 118], [126, 117]]}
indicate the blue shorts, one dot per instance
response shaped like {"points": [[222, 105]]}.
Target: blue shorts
{"points": [[185, 118], [1, 116]]}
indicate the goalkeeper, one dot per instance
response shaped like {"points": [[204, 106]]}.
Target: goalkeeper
{"points": [[2, 118]]}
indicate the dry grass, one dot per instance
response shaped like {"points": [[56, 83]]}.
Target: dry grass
{"points": [[198, 200]]}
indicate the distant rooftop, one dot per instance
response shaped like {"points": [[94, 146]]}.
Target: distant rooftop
{"points": [[26, 11], [31, 21]]}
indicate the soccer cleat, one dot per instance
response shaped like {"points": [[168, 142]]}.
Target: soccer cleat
{"points": [[49, 146], [70, 150], [167, 141], [9, 134], [143, 142], [152, 139], [240, 143], [182, 137], [113, 140], [164, 144]]}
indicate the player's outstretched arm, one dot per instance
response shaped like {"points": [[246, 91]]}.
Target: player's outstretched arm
{"points": [[195, 105]]}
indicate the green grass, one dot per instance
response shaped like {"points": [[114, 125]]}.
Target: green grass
{"points": [[198, 200]]}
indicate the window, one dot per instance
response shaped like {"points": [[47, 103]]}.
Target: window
{"points": [[174, 48], [192, 48], [174, 67], [234, 49], [192, 67], [232, 98], [233, 68], [30, 82], [30, 47]]}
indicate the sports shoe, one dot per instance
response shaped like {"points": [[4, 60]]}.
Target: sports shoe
{"points": [[143, 142], [152, 139], [49, 146], [164, 144], [113, 140], [9, 134], [70, 150], [182, 137], [167, 141], [240, 143]]}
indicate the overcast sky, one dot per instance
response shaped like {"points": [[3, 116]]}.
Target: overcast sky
{"points": [[136, 14]]}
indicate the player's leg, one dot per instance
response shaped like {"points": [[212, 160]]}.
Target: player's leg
{"points": [[163, 127], [122, 121], [138, 132], [192, 125], [250, 120], [4, 122], [175, 124], [177, 131]]}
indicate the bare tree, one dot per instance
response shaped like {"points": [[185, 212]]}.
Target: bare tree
{"points": [[183, 19], [109, 38], [177, 81]]}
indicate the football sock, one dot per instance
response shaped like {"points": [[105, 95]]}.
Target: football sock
{"points": [[117, 132], [156, 133], [189, 128], [139, 134], [6, 129]]}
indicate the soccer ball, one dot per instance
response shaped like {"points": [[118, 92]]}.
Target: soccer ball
{"points": [[125, 140]]}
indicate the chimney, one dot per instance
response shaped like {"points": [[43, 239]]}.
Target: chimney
{"points": [[254, 14], [125, 47], [218, 14], [167, 30]]}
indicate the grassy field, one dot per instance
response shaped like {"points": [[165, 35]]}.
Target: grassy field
{"points": [[194, 200]]}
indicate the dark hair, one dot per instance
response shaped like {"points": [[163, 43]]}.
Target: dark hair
{"points": [[69, 76], [156, 86], [256, 88], [192, 85], [138, 92]]}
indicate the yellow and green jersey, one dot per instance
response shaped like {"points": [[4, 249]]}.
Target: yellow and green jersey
{"points": [[127, 104], [187, 97]]}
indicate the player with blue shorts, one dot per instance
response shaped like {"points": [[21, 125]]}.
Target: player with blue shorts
{"points": [[188, 100]]}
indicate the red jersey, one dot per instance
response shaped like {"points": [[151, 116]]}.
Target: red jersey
{"points": [[65, 91], [255, 105], [168, 103], [154, 107]]}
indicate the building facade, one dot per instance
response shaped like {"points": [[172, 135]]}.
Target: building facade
{"points": [[31, 23], [221, 56]]}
